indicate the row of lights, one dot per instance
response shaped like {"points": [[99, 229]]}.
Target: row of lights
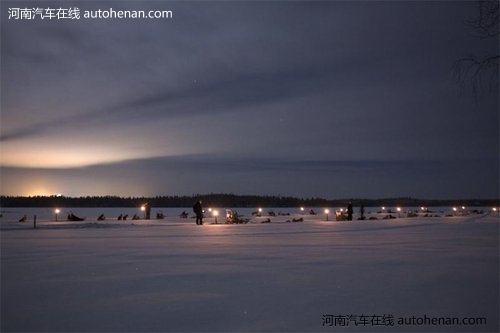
{"points": [[215, 213]]}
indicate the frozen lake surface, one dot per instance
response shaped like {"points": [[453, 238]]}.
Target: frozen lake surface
{"points": [[171, 275]]}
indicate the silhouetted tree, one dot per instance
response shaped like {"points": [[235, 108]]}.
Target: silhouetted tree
{"points": [[481, 70]]}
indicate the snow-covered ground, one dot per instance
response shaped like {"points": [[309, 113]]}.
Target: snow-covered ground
{"points": [[172, 275]]}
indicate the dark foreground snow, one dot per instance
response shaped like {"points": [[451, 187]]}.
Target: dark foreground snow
{"points": [[163, 276]]}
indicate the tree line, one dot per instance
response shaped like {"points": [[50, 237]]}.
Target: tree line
{"points": [[230, 200]]}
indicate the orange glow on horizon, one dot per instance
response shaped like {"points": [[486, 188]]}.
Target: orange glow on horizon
{"points": [[37, 192]]}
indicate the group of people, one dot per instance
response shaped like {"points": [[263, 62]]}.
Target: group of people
{"points": [[198, 210]]}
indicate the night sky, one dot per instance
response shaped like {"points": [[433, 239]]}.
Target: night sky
{"points": [[326, 99]]}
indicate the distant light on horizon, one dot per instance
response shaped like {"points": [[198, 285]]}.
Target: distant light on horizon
{"points": [[38, 192]]}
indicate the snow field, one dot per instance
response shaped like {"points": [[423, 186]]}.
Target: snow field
{"points": [[176, 276]]}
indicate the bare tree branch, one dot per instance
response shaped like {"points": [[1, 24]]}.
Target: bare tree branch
{"points": [[476, 71], [481, 70]]}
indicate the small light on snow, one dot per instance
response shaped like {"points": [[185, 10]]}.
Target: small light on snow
{"points": [[143, 208], [327, 211], [494, 209], [260, 210], [454, 209], [57, 210]]}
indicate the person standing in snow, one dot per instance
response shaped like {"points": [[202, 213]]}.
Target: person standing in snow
{"points": [[198, 210], [147, 208], [349, 212]]}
